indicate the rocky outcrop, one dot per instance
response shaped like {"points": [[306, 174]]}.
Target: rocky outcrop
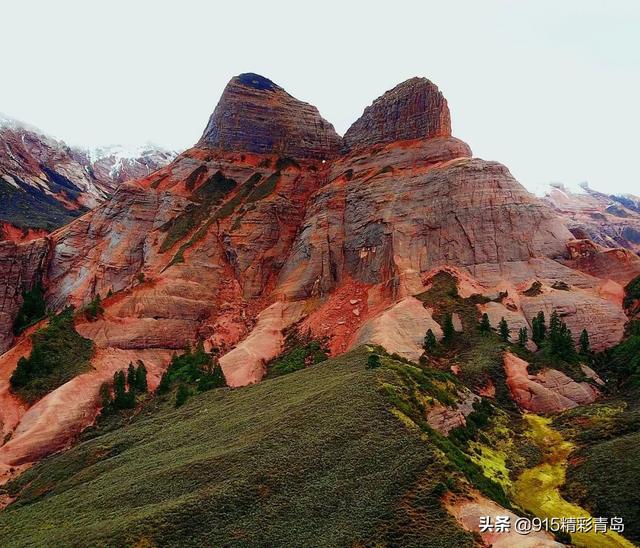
{"points": [[256, 115], [619, 265], [549, 391], [400, 329], [414, 109], [444, 419], [245, 364], [16, 234], [469, 512]]}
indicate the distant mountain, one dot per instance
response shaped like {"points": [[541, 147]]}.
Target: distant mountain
{"points": [[44, 183], [609, 220]]}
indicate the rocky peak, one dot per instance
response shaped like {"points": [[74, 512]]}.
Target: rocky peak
{"points": [[414, 109], [256, 115]]}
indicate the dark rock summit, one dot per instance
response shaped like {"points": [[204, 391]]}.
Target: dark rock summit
{"points": [[414, 109], [256, 115]]}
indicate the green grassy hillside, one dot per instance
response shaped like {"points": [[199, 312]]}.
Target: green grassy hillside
{"points": [[312, 458]]}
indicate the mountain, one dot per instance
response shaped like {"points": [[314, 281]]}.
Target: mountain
{"points": [[270, 245], [45, 184], [608, 220]]}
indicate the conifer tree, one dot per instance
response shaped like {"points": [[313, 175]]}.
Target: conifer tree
{"points": [[485, 325], [523, 337], [539, 329], [448, 331], [165, 383], [503, 328], [554, 325], [131, 377], [105, 395], [585, 348], [141, 378], [429, 341], [94, 308], [119, 384]]}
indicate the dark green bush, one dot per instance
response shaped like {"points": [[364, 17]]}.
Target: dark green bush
{"points": [[182, 394], [373, 362], [299, 353]]}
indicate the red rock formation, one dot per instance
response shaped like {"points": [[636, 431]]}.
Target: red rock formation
{"points": [[256, 115], [400, 329], [549, 391], [414, 109], [253, 231], [469, 512], [619, 265]]}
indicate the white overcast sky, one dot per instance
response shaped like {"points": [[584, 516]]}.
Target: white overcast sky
{"points": [[549, 88]]}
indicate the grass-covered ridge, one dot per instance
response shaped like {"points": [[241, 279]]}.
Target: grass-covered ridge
{"points": [[311, 458], [604, 471]]}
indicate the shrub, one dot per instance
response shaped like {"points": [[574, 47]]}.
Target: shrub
{"points": [[534, 290], [193, 368], [373, 362], [300, 352], [182, 394]]}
